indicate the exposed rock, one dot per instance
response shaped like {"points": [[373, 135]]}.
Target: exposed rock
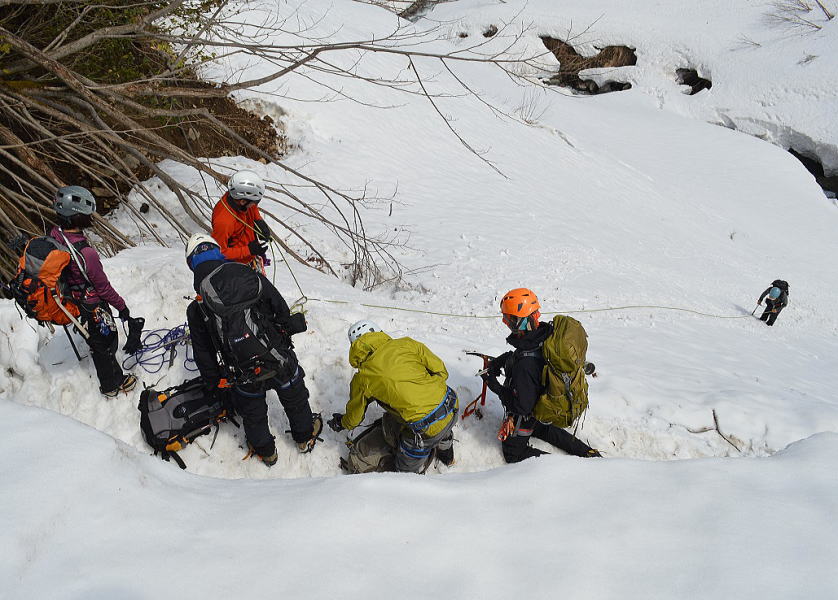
{"points": [[690, 77], [571, 63], [814, 166]]}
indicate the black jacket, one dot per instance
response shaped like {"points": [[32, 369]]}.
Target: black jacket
{"points": [[523, 368], [780, 302], [273, 305]]}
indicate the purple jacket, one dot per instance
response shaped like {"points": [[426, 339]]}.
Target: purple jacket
{"points": [[102, 289]]}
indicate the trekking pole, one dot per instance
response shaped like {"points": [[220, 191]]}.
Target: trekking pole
{"points": [[72, 343], [755, 309]]}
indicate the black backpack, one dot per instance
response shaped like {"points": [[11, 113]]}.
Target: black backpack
{"points": [[171, 419], [249, 342], [783, 285]]}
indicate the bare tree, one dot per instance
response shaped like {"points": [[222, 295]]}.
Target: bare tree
{"points": [[799, 13], [102, 93]]}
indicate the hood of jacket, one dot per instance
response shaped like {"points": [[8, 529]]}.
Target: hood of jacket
{"points": [[531, 340], [364, 347]]}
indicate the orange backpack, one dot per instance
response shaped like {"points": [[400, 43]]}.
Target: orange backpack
{"points": [[38, 287]]}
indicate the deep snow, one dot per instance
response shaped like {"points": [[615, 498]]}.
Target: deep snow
{"points": [[623, 199]]}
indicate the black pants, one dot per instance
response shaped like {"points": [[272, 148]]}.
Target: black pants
{"points": [[767, 315], [517, 446], [252, 406], [102, 349]]}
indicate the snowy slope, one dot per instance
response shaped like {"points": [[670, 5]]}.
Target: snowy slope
{"points": [[605, 201], [103, 521]]}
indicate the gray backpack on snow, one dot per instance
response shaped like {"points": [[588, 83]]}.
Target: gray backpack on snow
{"points": [[369, 452]]}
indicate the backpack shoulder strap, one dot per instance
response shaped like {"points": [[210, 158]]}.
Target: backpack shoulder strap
{"points": [[75, 252]]}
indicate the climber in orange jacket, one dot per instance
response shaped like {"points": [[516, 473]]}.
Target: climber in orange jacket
{"points": [[237, 224]]}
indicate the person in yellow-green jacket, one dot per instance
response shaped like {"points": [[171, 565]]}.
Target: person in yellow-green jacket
{"points": [[409, 382]]}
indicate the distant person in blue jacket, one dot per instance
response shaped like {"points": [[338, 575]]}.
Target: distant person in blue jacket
{"points": [[776, 298]]}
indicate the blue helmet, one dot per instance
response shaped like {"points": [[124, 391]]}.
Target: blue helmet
{"points": [[774, 293]]}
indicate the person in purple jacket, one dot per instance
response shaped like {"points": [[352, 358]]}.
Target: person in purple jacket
{"points": [[92, 291]]}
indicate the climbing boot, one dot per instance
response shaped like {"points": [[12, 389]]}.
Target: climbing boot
{"points": [[269, 460], [446, 457], [129, 382], [317, 425]]}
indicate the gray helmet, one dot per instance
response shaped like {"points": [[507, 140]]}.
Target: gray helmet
{"points": [[74, 200]]}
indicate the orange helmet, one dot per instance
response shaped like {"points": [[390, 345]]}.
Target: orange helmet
{"points": [[520, 309]]}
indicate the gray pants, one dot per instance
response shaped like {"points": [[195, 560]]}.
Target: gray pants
{"points": [[415, 451]]}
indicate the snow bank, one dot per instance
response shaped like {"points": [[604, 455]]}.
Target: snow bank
{"points": [[88, 517], [604, 202]]}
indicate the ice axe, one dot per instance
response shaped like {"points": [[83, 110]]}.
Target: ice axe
{"points": [[753, 312], [472, 407]]}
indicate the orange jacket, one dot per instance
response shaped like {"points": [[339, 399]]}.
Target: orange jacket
{"points": [[233, 229]]}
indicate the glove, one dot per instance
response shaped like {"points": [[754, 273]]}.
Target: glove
{"points": [[222, 395], [135, 330], [263, 232], [590, 369], [335, 423], [493, 384], [257, 248], [497, 363], [296, 324], [125, 314]]}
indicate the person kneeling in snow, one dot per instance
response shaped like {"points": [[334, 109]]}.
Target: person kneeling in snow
{"points": [[241, 317], [522, 386], [92, 292], [409, 382]]}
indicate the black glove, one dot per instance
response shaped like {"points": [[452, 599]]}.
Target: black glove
{"points": [[257, 248], [135, 330], [125, 314], [335, 423], [493, 384], [496, 364], [296, 324], [590, 368], [222, 395], [263, 232]]}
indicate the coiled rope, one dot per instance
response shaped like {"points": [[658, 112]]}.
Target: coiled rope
{"points": [[159, 347]]}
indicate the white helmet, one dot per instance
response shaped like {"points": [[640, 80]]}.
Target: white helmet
{"points": [[361, 327], [246, 185], [196, 240]]}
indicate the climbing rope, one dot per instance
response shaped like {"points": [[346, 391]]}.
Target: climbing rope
{"points": [[159, 347], [299, 304], [562, 312]]}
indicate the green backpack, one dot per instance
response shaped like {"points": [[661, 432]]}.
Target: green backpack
{"points": [[565, 395]]}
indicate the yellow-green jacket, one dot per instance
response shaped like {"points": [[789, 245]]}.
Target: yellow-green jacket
{"points": [[402, 375]]}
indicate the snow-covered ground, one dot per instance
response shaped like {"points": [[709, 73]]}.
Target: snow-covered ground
{"points": [[626, 199]]}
